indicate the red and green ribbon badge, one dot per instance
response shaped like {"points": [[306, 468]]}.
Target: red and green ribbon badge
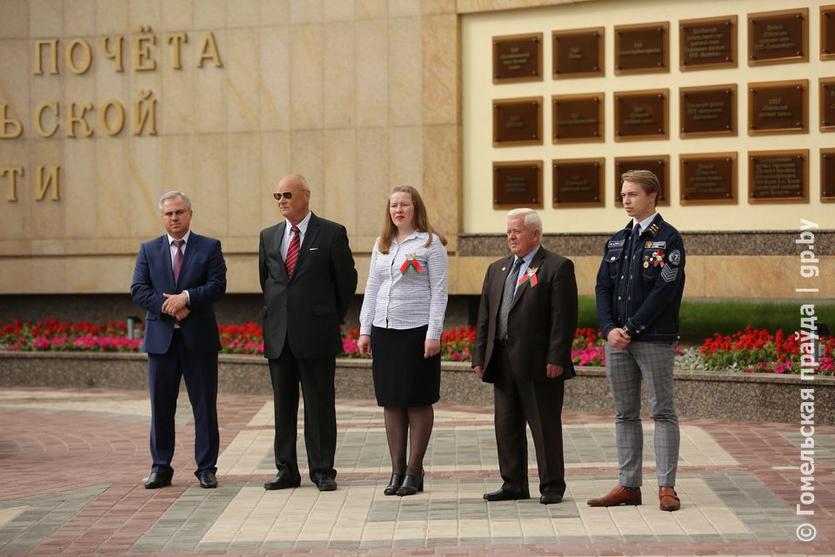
{"points": [[411, 262], [658, 258], [530, 276]]}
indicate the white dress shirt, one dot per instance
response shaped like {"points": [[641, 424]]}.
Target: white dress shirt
{"points": [[411, 299], [288, 234], [644, 223], [523, 267]]}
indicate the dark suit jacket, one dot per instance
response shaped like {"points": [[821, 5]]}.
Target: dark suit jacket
{"points": [[542, 320], [315, 300], [203, 275]]}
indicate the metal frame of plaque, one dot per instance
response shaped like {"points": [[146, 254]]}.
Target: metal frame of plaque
{"points": [[645, 163], [827, 119], [792, 87], [535, 73], [802, 154], [827, 35], [596, 166], [690, 129], [597, 69], [687, 197], [661, 65], [660, 95], [534, 103], [730, 58], [597, 133], [827, 172], [765, 18], [535, 201]]}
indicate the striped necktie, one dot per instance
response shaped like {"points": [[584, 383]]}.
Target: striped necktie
{"points": [[293, 252]]}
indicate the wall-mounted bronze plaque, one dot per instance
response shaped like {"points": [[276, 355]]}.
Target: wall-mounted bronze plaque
{"points": [[707, 111], [827, 104], [659, 165], [641, 115], [778, 176], [706, 44], [778, 107], [828, 175], [708, 179], [643, 48], [517, 184], [578, 53], [517, 122], [578, 182], [517, 58], [780, 37], [577, 118], [827, 32]]}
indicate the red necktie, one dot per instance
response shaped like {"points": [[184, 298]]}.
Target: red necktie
{"points": [[178, 259], [292, 252]]}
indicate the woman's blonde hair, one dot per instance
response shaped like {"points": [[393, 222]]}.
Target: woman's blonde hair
{"points": [[421, 220]]}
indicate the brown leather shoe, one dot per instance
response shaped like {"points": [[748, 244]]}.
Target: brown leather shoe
{"points": [[618, 496], [668, 499]]}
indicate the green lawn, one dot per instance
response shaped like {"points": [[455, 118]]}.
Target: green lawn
{"points": [[700, 319]]}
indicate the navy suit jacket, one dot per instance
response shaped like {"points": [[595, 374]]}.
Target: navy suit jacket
{"points": [[204, 276]]}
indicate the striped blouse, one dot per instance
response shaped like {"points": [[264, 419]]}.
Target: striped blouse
{"points": [[398, 295]]}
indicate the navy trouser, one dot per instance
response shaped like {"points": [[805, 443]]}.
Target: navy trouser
{"points": [[200, 372]]}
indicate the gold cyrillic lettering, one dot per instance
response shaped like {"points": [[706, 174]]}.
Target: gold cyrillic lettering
{"points": [[86, 56], [209, 51], [6, 122], [43, 184], [145, 113], [53, 56], [116, 53], [73, 119], [141, 51], [43, 132], [176, 40], [11, 184], [104, 123]]}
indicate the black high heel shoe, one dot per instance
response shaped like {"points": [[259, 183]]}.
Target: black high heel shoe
{"points": [[394, 484], [411, 484]]}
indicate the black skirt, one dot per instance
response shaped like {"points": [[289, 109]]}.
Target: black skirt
{"points": [[402, 376]]}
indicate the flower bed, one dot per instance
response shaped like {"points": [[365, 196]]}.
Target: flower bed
{"points": [[751, 350]]}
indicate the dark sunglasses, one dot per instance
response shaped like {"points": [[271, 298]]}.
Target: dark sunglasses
{"points": [[285, 195]]}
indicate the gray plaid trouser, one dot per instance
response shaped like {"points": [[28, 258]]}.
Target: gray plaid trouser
{"points": [[652, 361]]}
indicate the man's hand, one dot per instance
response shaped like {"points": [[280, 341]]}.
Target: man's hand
{"points": [[618, 338], [553, 371], [479, 371], [182, 314], [174, 303], [364, 344], [431, 347]]}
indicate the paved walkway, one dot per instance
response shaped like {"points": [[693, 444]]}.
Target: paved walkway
{"points": [[73, 461]]}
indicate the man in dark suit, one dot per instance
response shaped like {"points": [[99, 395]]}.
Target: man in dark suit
{"points": [[308, 278], [178, 277], [526, 325]]}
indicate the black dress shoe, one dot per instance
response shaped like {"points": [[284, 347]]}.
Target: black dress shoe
{"points": [[412, 483], [394, 484], [325, 483], [550, 498], [282, 482], [506, 495], [207, 479], [157, 480]]}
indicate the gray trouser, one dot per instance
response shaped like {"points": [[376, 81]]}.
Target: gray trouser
{"points": [[652, 361]]}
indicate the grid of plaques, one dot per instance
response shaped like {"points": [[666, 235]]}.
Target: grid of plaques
{"points": [[774, 107]]}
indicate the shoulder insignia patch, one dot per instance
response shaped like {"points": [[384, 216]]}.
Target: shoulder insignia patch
{"points": [[675, 257]]}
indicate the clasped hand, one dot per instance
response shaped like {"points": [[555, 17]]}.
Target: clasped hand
{"points": [[618, 338], [175, 305]]}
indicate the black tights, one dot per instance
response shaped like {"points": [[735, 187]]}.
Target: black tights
{"points": [[414, 423]]}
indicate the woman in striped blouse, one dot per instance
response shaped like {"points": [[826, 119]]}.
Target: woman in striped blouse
{"points": [[401, 320]]}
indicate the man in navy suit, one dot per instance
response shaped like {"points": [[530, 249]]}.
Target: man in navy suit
{"points": [[178, 277], [308, 278]]}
